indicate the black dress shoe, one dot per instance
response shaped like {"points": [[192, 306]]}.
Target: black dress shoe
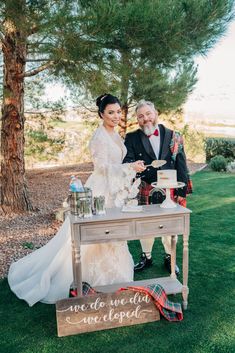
{"points": [[143, 263], [167, 263]]}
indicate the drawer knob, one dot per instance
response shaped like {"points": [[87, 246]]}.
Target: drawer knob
{"points": [[107, 232], [161, 226]]}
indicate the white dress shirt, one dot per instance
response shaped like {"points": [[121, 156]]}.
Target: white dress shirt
{"points": [[155, 143]]}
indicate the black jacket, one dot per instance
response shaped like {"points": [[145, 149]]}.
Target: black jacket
{"points": [[139, 148]]}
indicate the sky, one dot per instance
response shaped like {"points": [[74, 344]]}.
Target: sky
{"points": [[213, 97], [214, 93]]}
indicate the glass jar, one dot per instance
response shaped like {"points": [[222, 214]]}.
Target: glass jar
{"points": [[99, 205], [81, 203]]}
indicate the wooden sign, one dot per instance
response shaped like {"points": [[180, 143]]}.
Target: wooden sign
{"points": [[104, 311]]}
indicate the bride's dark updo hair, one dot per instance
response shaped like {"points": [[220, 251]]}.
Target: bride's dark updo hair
{"points": [[105, 99]]}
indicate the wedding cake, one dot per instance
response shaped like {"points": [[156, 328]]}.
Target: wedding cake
{"points": [[166, 178]]}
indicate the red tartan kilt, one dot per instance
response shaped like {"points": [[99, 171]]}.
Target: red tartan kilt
{"points": [[144, 190]]}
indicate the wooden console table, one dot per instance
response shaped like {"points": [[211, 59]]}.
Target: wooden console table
{"points": [[116, 225]]}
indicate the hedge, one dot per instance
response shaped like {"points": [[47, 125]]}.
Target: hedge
{"points": [[220, 146]]}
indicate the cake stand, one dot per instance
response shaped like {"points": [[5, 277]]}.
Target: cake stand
{"points": [[168, 202]]}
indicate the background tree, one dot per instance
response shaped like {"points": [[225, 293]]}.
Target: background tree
{"points": [[148, 47], [167, 88], [33, 34]]}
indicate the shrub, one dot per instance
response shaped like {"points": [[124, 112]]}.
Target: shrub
{"points": [[218, 163], [220, 146]]}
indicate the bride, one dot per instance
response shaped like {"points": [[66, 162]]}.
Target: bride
{"points": [[46, 274]]}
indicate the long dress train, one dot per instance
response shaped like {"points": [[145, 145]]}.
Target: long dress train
{"points": [[46, 274]]}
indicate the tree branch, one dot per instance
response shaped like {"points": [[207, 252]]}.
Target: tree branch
{"points": [[84, 106], [44, 112], [36, 60], [39, 41], [38, 69]]}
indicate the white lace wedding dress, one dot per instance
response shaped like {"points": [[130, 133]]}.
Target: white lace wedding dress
{"points": [[46, 274]]}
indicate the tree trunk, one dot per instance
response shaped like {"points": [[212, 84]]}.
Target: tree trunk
{"points": [[14, 194], [123, 123], [124, 92]]}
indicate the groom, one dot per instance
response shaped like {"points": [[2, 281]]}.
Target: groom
{"points": [[152, 141]]}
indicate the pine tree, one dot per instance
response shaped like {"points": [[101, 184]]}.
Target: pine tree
{"points": [[33, 35], [166, 87], [148, 47]]}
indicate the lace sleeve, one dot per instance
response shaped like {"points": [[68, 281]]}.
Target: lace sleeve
{"points": [[118, 177]]}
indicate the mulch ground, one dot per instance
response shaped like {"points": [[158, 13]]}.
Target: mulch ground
{"points": [[48, 188]]}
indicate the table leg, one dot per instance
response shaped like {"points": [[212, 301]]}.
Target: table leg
{"points": [[76, 251], [173, 255], [185, 289]]}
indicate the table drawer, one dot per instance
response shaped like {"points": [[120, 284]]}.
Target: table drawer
{"points": [[111, 231], [166, 226]]}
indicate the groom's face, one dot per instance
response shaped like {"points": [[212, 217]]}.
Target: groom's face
{"points": [[147, 117]]}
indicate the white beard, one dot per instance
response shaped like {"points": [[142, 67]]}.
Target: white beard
{"points": [[148, 130]]}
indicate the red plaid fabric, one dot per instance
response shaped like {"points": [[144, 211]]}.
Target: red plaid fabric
{"points": [[86, 290], [189, 185], [143, 195], [170, 310]]}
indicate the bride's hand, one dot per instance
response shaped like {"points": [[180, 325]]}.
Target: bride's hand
{"points": [[138, 166]]}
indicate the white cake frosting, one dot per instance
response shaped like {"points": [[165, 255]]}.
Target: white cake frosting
{"points": [[166, 177]]}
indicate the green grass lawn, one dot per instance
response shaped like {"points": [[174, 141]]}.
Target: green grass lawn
{"points": [[209, 323]]}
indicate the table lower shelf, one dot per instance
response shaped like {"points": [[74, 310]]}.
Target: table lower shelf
{"points": [[170, 285]]}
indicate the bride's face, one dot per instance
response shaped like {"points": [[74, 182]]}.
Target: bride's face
{"points": [[111, 115]]}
